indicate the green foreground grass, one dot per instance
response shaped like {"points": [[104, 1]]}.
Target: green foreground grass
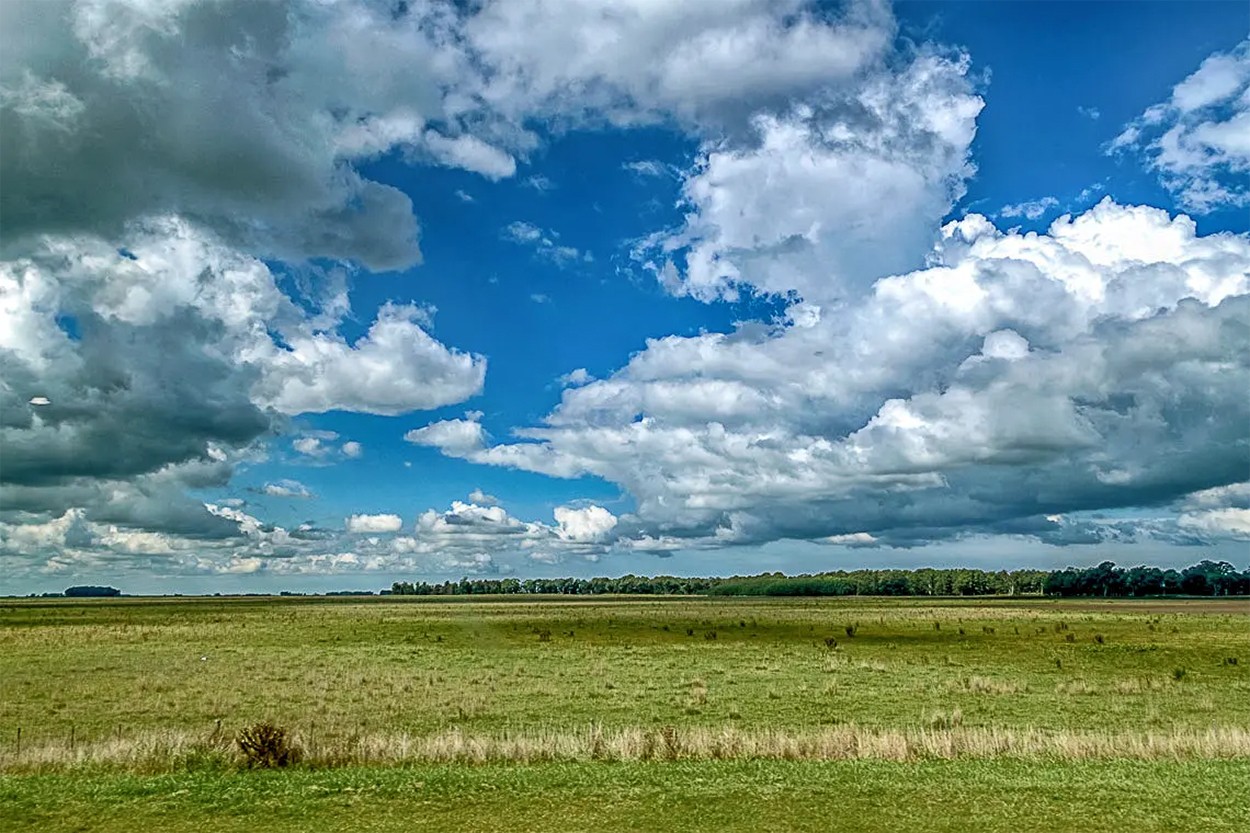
{"points": [[337, 669], [1062, 715], [719, 796]]}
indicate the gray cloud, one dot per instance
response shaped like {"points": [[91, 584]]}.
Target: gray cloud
{"points": [[98, 128]]}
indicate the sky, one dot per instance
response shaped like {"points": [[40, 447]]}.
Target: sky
{"points": [[316, 295]]}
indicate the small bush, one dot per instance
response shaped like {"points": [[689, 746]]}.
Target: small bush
{"points": [[1230, 660], [850, 631], [668, 739], [1069, 637], [267, 746], [1100, 639], [830, 642], [544, 636], [1178, 674]]}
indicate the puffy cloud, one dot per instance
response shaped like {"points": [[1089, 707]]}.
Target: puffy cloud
{"points": [[471, 528], [154, 156], [1231, 522], [585, 524], [854, 539], [1099, 365], [573, 378], [455, 436], [396, 367], [178, 349], [98, 127], [1221, 512], [479, 497], [828, 195], [706, 64], [321, 447], [1199, 140], [468, 527], [472, 154], [373, 524]]}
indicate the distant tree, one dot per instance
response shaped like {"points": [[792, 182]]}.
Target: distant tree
{"points": [[84, 590]]}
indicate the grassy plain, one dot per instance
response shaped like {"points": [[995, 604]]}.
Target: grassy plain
{"points": [[519, 714]]}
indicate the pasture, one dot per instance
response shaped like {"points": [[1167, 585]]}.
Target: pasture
{"points": [[627, 713]]}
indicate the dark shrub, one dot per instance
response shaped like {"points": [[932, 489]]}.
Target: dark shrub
{"points": [[266, 745]]}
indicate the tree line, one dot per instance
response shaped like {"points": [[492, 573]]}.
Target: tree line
{"points": [[1208, 578]]}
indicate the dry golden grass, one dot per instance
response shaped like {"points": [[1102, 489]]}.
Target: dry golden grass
{"points": [[1140, 685], [945, 739], [987, 685]]}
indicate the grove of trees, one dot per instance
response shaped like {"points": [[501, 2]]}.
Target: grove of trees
{"points": [[1208, 578]]}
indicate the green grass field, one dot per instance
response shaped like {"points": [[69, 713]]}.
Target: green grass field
{"points": [[630, 714]]}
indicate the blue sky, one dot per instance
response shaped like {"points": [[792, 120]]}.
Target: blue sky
{"points": [[360, 293]]}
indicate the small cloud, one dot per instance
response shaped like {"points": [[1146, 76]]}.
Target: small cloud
{"points": [[482, 499], [573, 378], [314, 443], [1090, 192], [287, 488], [322, 447], [1032, 209], [520, 231], [464, 195], [545, 243], [540, 183], [540, 298], [1090, 113], [372, 524], [648, 167], [544, 558], [40, 400], [853, 539]]}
